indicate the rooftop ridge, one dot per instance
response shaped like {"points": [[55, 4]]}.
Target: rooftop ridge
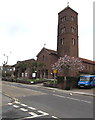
{"points": [[66, 9]]}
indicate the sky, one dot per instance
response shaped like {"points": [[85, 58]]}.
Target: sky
{"points": [[26, 25]]}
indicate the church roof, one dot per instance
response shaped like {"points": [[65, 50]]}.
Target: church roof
{"points": [[51, 51], [87, 61], [28, 60], [48, 50], [66, 8]]}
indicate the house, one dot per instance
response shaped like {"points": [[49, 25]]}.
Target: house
{"points": [[8, 70]]}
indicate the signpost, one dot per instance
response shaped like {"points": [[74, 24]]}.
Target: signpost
{"points": [[54, 71]]}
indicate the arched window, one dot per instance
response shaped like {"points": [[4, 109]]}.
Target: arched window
{"points": [[63, 30], [72, 30], [73, 41], [72, 18], [63, 19], [43, 57], [62, 41]]}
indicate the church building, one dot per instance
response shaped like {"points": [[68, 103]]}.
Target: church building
{"points": [[67, 44]]}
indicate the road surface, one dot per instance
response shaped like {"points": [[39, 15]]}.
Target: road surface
{"points": [[33, 101]]}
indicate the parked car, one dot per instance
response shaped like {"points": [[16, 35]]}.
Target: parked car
{"points": [[86, 81]]}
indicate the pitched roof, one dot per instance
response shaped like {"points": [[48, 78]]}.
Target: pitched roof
{"points": [[51, 51], [66, 8], [87, 61], [48, 50], [29, 60]]}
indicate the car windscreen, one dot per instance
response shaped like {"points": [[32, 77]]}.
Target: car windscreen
{"points": [[83, 78]]}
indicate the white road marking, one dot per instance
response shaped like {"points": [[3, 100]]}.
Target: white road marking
{"points": [[9, 103], [33, 114], [71, 98], [23, 109], [86, 101], [23, 105], [59, 95], [54, 117], [44, 113], [15, 106], [32, 108], [17, 102]]}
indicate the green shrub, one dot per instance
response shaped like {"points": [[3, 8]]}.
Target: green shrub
{"points": [[52, 82], [60, 79]]}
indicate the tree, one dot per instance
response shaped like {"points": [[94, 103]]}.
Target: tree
{"points": [[33, 66], [22, 66], [42, 66], [67, 63]]}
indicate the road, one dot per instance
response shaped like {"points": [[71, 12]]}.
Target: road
{"points": [[33, 101]]}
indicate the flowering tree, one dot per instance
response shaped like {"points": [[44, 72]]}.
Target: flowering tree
{"points": [[67, 63]]}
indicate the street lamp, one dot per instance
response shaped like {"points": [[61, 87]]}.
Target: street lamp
{"points": [[7, 59], [4, 65]]}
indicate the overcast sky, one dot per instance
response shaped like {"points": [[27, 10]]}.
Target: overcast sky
{"points": [[26, 25]]}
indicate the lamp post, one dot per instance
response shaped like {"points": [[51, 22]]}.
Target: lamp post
{"points": [[4, 65], [7, 59]]}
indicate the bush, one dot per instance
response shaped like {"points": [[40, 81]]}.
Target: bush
{"points": [[51, 83], [60, 79], [72, 82]]}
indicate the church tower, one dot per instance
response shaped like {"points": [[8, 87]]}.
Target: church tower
{"points": [[67, 36]]}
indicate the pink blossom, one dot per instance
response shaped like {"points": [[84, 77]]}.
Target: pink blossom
{"points": [[70, 63]]}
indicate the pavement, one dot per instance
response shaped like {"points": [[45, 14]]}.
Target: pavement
{"points": [[82, 91]]}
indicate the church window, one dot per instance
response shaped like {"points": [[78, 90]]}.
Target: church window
{"points": [[63, 19], [43, 57], [62, 41], [72, 30], [63, 29], [72, 18], [73, 41]]}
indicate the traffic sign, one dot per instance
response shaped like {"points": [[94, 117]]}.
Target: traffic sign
{"points": [[54, 71]]}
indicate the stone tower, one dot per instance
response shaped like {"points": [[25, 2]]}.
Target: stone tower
{"points": [[67, 37]]}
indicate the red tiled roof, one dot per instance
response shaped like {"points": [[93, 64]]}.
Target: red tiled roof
{"points": [[87, 61]]}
